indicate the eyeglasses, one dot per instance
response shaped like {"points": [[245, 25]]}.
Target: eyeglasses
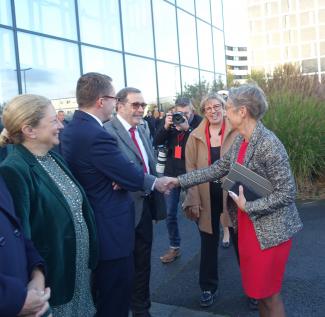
{"points": [[137, 105], [215, 108], [108, 97]]}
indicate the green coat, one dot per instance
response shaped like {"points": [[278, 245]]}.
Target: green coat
{"points": [[47, 220]]}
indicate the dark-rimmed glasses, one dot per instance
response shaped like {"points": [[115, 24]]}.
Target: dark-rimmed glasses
{"points": [[137, 105], [216, 107], [109, 97]]}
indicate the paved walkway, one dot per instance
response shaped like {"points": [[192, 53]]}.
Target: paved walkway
{"points": [[175, 290]]}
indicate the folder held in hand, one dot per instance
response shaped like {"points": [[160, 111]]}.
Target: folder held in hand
{"points": [[255, 186]]}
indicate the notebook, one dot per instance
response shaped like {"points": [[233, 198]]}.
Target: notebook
{"points": [[255, 186]]}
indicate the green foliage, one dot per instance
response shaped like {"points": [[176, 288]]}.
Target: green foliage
{"points": [[297, 116], [258, 77], [300, 125], [198, 90]]}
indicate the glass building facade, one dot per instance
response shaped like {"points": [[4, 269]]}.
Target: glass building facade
{"points": [[157, 46]]}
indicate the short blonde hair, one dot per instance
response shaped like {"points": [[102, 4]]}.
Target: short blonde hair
{"points": [[21, 110]]}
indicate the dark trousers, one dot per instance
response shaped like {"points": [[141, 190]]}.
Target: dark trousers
{"points": [[209, 278], [234, 240], [140, 302], [113, 286]]}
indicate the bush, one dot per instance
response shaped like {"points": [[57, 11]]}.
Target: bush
{"points": [[299, 122]]}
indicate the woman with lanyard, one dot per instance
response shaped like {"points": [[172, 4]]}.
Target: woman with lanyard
{"points": [[205, 203]]}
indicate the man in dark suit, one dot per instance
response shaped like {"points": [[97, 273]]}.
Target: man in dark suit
{"points": [[98, 164], [21, 267], [135, 143]]}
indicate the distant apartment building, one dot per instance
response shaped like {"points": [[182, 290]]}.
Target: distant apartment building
{"points": [[287, 31], [237, 62]]}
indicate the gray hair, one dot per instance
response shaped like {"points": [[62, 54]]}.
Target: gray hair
{"points": [[251, 96], [211, 96], [122, 95]]}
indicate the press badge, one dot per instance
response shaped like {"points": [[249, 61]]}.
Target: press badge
{"points": [[178, 152]]}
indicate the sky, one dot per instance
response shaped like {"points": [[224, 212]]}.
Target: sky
{"points": [[236, 22]]}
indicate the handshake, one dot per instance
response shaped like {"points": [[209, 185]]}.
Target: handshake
{"points": [[165, 184]]}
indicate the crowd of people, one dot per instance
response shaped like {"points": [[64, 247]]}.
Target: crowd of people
{"points": [[78, 199]]}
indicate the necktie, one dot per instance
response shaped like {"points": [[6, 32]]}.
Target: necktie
{"points": [[132, 131]]}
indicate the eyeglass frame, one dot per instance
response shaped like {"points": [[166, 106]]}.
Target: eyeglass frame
{"points": [[216, 108], [136, 105], [109, 97]]}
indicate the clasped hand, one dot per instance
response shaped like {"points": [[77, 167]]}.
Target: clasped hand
{"points": [[165, 184]]}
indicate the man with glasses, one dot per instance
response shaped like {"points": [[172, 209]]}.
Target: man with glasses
{"points": [[173, 133], [99, 165], [135, 143]]}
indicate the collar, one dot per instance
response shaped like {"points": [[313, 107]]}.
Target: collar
{"points": [[257, 132], [96, 118], [124, 123]]}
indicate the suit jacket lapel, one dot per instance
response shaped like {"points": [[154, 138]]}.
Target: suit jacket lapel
{"points": [[148, 149], [125, 137], [39, 170], [252, 142]]}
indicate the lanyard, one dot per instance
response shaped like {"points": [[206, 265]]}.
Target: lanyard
{"points": [[180, 137], [207, 136]]}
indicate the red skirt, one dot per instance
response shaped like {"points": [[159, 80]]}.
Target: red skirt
{"points": [[261, 270]]}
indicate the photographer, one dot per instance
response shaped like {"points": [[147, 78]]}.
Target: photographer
{"points": [[173, 132]]}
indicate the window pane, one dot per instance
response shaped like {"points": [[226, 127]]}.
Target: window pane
{"points": [[216, 10], [190, 76], [8, 75], [51, 66], [203, 10], [309, 66], [188, 5], [105, 62], [5, 12], [219, 51], [141, 75], [207, 77], [187, 39], [165, 33], [168, 80], [205, 45], [100, 23], [137, 27], [47, 16]]}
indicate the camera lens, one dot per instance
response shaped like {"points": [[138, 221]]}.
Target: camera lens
{"points": [[178, 118]]}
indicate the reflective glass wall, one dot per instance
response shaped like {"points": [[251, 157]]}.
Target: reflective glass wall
{"points": [[157, 46]]}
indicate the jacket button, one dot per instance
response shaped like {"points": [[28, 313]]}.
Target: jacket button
{"points": [[17, 233], [2, 241]]}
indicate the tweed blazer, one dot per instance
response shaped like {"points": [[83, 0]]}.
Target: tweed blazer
{"points": [[275, 217]]}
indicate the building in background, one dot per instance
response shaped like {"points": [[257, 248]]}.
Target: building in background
{"points": [[237, 63], [287, 31], [153, 45]]}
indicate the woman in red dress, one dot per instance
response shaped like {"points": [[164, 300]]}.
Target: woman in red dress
{"points": [[265, 226]]}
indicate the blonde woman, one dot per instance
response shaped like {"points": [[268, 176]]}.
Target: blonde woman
{"points": [[51, 205], [204, 203]]}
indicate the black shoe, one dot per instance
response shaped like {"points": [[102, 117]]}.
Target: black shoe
{"points": [[207, 298], [252, 303]]}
